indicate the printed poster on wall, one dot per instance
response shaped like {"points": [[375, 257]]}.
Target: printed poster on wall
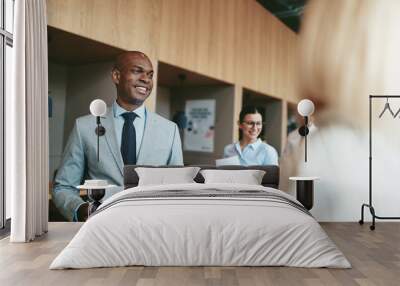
{"points": [[199, 132]]}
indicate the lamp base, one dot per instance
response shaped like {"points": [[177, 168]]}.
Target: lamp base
{"points": [[100, 130], [95, 195], [303, 131]]}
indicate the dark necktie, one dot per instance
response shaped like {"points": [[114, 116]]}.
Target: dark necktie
{"points": [[128, 142]]}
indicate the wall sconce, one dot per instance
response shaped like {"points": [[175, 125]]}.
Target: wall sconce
{"points": [[305, 108], [98, 108]]}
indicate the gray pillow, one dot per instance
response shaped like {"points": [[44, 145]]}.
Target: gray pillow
{"points": [[166, 176], [248, 177]]}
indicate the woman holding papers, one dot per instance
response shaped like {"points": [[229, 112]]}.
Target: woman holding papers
{"points": [[250, 150]]}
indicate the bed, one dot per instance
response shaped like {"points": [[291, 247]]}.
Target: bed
{"points": [[201, 224]]}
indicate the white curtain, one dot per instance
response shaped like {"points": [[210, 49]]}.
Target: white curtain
{"points": [[27, 124]]}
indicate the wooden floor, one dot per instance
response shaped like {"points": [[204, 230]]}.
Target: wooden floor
{"points": [[374, 255]]}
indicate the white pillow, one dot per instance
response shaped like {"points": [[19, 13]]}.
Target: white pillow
{"points": [[165, 176], [249, 177]]}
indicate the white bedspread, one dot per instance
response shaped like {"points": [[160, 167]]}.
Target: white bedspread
{"points": [[188, 230]]}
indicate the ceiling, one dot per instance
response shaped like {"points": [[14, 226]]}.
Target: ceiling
{"points": [[288, 11], [172, 76], [70, 49]]}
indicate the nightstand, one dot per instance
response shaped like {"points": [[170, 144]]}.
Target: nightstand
{"points": [[305, 190]]}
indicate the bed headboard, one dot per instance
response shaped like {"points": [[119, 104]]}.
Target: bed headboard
{"points": [[270, 179]]}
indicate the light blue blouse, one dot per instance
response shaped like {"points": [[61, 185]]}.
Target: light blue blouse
{"points": [[257, 153]]}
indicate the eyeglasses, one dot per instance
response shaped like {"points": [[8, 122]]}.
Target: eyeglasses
{"points": [[253, 123]]}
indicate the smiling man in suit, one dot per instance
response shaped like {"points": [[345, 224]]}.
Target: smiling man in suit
{"points": [[133, 135]]}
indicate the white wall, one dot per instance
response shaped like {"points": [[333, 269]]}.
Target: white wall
{"points": [[86, 83], [338, 155], [224, 96], [58, 93], [72, 89], [273, 125], [163, 103]]}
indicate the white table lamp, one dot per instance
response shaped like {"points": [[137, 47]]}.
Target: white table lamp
{"points": [[305, 108], [98, 108]]}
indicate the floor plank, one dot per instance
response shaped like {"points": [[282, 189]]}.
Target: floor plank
{"points": [[374, 255]]}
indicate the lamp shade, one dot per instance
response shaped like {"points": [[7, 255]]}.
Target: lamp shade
{"points": [[305, 107], [98, 107]]}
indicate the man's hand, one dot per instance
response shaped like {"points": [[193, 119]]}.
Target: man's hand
{"points": [[83, 212]]}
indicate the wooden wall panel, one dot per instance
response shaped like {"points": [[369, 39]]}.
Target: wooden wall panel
{"points": [[237, 106], [247, 67], [127, 24], [236, 41], [263, 63], [293, 69], [195, 35]]}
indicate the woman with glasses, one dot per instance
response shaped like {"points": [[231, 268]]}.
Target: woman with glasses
{"points": [[250, 149]]}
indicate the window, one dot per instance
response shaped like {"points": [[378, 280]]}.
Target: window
{"points": [[6, 44], [9, 16]]}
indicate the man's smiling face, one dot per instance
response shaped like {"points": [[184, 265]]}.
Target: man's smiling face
{"points": [[133, 77]]}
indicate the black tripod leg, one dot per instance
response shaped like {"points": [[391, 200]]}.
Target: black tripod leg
{"points": [[372, 210], [361, 221]]}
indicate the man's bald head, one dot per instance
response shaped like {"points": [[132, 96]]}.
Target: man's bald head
{"points": [[132, 75], [124, 58]]}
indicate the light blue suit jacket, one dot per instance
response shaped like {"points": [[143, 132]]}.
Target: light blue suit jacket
{"points": [[161, 145]]}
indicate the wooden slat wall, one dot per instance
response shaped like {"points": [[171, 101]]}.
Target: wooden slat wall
{"points": [[126, 24], [200, 36], [129, 24], [236, 41]]}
